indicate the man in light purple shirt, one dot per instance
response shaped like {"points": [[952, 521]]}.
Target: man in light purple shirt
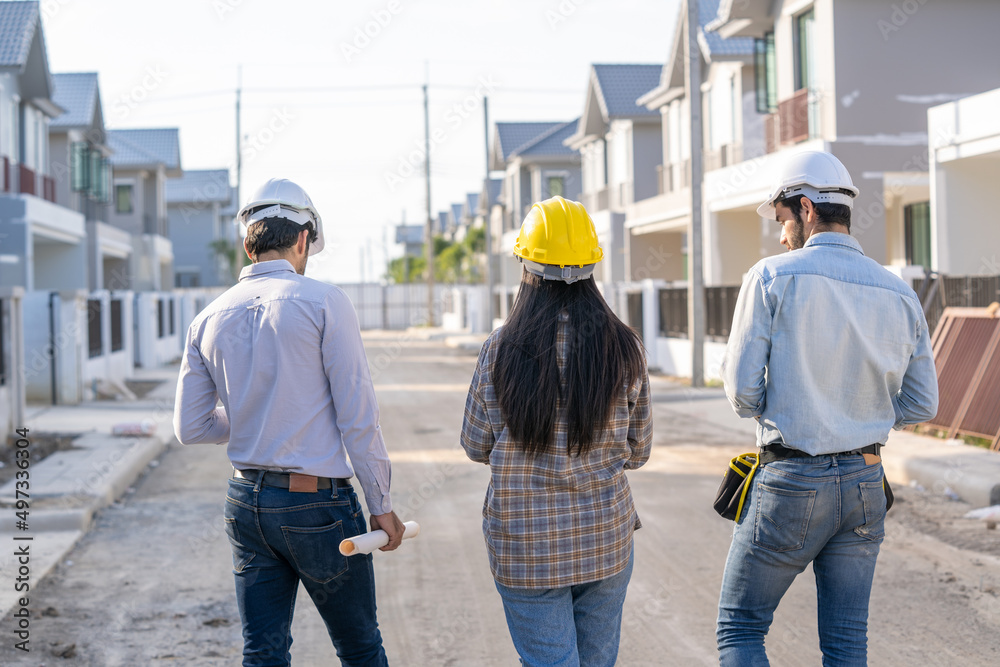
{"points": [[284, 355]]}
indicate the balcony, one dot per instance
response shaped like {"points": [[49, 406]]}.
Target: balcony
{"points": [[596, 201], [725, 155], [30, 183], [673, 177], [797, 120]]}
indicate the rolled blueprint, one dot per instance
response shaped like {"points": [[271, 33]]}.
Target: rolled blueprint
{"points": [[369, 542]]}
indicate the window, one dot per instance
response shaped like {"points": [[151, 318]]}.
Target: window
{"points": [[556, 188], [79, 166], [917, 233], [160, 330], [117, 326], [94, 186], [804, 26], [765, 74], [123, 199], [95, 344], [173, 325]]}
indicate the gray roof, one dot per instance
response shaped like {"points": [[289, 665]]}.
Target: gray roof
{"points": [[708, 11], [456, 214], [551, 141], [471, 204], [17, 27], [495, 185], [620, 85], [200, 186], [78, 94], [515, 136], [144, 148], [442, 221]]}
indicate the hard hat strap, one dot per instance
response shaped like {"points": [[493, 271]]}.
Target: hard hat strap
{"points": [[567, 274], [278, 211]]}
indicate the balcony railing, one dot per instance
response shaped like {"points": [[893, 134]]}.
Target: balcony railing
{"points": [[25, 180], [596, 201], [724, 156], [673, 177], [796, 120]]}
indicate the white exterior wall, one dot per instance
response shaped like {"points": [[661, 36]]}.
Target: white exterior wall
{"points": [[964, 173], [12, 397]]}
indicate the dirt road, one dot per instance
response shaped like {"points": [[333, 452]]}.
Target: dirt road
{"points": [[152, 583]]}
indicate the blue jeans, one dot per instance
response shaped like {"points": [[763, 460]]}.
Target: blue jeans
{"points": [[571, 626], [827, 510], [280, 538]]}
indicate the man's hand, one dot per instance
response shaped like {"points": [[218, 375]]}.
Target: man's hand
{"points": [[392, 526]]}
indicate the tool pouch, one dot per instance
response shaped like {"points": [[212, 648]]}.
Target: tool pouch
{"points": [[735, 486]]}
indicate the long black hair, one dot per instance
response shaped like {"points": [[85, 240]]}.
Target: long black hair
{"points": [[604, 356]]}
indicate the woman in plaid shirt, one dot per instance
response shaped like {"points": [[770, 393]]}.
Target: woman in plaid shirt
{"points": [[559, 409]]}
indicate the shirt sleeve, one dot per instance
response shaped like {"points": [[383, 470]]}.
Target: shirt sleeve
{"points": [[346, 367], [477, 431], [196, 417], [917, 398], [640, 425], [749, 349]]}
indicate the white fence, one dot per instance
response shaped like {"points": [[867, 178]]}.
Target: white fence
{"points": [[455, 307]]}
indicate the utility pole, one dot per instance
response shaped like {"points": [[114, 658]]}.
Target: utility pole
{"points": [[696, 283], [486, 217], [429, 228], [239, 152]]}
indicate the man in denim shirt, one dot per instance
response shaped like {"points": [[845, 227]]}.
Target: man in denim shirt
{"points": [[828, 351]]}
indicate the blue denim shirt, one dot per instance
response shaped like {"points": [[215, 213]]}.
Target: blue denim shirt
{"points": [[828, 350]]}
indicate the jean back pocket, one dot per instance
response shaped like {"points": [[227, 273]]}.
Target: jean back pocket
{"points": [[782, 517], [874, 501], [316, 551]]}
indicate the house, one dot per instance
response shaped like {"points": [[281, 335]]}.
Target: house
{"points": [[202, 229], [81, 167], [143, 160], [44, 241], [536, 165], [857, 79], [43, 249], [658, 225], [957, 232], [621, 146]]}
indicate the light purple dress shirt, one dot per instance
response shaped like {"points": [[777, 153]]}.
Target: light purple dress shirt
{"points": [[284, 354]]}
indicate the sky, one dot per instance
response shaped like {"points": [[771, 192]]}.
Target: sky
{"points": [[332, 91]]}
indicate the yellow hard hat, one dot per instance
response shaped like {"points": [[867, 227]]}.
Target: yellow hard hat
{"points": [[558, 232]]}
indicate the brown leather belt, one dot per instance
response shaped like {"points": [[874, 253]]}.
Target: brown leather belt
{"points": [[282, 480], [771, 453]]}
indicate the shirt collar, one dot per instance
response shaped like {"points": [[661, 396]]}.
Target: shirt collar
{"points": [[832, 239], [270, 266]]}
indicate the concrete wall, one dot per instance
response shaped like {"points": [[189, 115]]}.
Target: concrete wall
{"points": [[55, 336], [152, 350], [656, 255], [12, 397], [193, 227], [647, 149], [673, 357], [921, 53], [965, 236], [733, 246]]}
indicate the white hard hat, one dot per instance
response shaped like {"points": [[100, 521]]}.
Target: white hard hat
{"points": [[816, 175], [281, 198]]}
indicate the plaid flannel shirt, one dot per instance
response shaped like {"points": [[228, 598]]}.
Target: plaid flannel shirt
{"points": [[556, 520]]}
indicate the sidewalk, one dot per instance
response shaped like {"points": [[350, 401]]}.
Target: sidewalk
{"points": [[69, 487]]}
